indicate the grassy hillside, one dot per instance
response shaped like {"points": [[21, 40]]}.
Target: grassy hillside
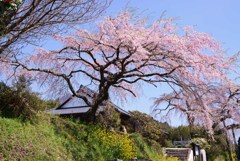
{"points": [[53, 138]]}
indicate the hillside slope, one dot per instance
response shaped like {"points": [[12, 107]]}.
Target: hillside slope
{"points": [[54, 138]]}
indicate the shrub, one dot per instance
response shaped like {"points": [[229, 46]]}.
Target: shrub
{"points": [[20, 101], [115, 145], [146, 126]]}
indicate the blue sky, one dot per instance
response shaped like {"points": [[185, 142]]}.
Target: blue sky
{"points": [[219, 18]]}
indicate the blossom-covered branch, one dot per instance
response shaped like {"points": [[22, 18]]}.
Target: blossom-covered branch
{"points": [[124, 53]]}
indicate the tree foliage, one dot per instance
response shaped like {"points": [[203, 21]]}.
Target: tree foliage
{"points": [[186, 133]]}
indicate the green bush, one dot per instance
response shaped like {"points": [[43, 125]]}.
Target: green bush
{"points": [[20, 101], [147, 126]]}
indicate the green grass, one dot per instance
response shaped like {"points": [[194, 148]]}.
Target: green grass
{"points": [[30, 141], [53, 138]]}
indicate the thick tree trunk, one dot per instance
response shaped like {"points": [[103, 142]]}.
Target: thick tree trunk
{"points": [[101, 97], [91, 114]]}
